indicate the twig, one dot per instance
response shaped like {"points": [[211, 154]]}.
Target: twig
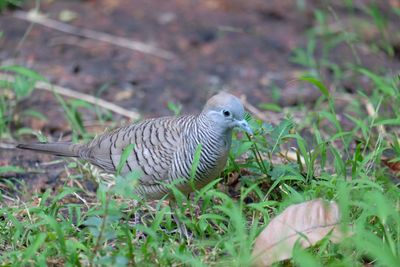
{"points": [[38, 18], [73, 94], [7, 146], [82, 199], [7, 197]]}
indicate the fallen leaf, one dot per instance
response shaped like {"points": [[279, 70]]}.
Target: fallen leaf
{"points": [[67, 15], [306, 223], [123, 95], [393, 165], [292, 156]]}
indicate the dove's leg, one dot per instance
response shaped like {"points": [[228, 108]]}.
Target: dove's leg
{"points": [[184, 233], [137, 216]]}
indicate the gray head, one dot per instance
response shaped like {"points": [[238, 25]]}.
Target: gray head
{"points": [[227, 111]]}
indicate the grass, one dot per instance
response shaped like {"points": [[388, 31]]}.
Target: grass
{"points": [[341, 154]]}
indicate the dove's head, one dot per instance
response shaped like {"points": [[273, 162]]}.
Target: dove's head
{"points": [[227, 112]]}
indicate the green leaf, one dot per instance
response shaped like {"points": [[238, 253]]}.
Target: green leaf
{"points": [[124, 185], [124, 156], [271, 107], [29, 131], [393, 122], [376, 248], [94, 225], [13, 169], [331, 117], [77, 103], [242, 148], [303, 258], [280, 132], [31, 250], [175, 108], [34, 113], [284, 170], [380, 82], [23, 71], [5, 84], [93, 221], [22, 87], [317, 83], [196, 161], [56, 226], [340, 166]]}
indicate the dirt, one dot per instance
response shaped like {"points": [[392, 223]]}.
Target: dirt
{"points": [[241, 46]]}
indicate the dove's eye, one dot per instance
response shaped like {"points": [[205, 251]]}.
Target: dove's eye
{"points": [[226, 113]]}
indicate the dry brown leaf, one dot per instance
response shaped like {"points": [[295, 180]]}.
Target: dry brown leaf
{"points": [[292, 156], [306, 222], [394, 166]]}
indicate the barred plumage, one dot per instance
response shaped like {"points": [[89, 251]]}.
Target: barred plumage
{"points": [[164, 147]]}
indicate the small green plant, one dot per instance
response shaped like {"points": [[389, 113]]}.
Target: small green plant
{"points": [[381, 22], [17, 86], [7, 3], [175, 108]]}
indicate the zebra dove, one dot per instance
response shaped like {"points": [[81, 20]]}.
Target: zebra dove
{"points": [[164, 147]]}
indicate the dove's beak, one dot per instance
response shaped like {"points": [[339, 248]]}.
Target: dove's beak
{"points": [[245, 126]]}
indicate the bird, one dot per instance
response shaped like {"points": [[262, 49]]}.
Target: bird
{"points": [[164, 148]]}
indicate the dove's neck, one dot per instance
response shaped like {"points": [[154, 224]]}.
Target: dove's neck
{"points": [[211, 132], [215, 145]]}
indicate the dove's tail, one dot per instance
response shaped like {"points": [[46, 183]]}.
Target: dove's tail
{"points": [[65, 149]]}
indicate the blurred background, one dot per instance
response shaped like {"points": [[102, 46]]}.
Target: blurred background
{"points": [[256, 48]]}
